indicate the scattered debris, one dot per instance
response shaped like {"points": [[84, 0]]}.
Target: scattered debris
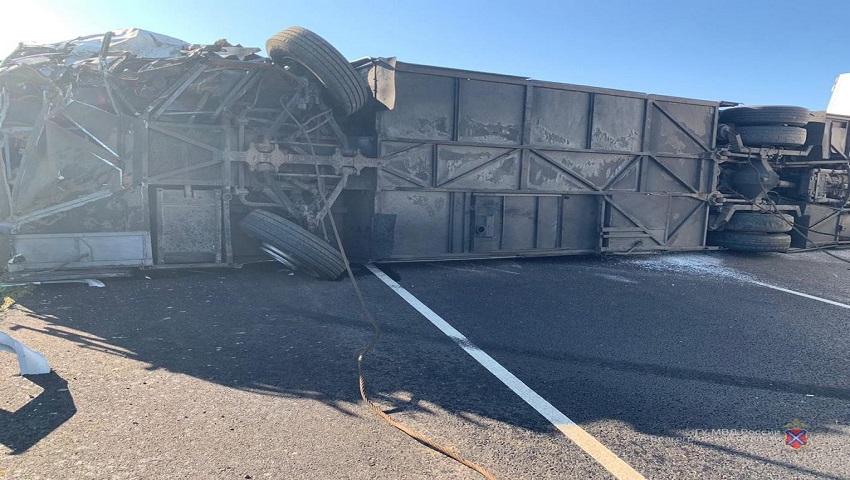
{"points": [[30, 361], [694, 263]]}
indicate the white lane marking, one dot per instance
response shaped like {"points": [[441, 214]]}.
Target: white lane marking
{"points": [[616, 466], [700, 264], [800, 294]]}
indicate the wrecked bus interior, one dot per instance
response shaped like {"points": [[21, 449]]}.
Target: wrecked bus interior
{"points": [[132, 149]]}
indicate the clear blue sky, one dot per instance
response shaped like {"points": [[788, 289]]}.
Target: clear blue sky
{"points": [[753, 51]]}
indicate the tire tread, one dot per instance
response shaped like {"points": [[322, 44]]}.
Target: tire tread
{"points": [[760, 222], [344, 84], [766, 115], [294, 240], [772, 135], [751, 242]]}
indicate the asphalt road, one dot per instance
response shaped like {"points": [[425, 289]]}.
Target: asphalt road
{"points": [[682, 366]]}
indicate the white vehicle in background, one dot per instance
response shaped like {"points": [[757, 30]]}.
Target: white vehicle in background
{"points": [[839, 102]]}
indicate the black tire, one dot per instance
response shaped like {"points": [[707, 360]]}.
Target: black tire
{"points": [[772, 136], [760, 222], [303, 250], [766, 115], [347, 89], [751, 242]]}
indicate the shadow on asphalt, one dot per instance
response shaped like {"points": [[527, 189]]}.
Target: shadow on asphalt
{"points": [[26, 426], [263, 330]]}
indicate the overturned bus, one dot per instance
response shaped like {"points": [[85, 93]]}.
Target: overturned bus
{"points": [[134, 149]]}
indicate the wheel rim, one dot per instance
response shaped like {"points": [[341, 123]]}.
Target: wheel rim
{"points": [[287, 259]]}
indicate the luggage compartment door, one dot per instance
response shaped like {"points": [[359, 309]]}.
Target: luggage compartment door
{"points": [[525, 223], [188, 226]]}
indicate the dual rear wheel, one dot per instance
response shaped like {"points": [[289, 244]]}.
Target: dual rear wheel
{"points": [[769, 126], [755, 232]]}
